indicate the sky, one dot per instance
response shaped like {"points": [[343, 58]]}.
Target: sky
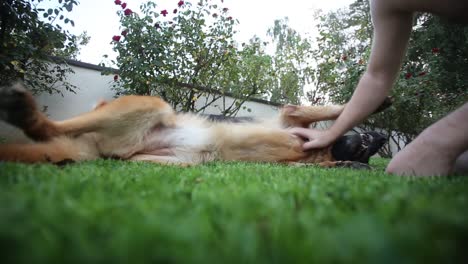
{"points": [[99, 19]]}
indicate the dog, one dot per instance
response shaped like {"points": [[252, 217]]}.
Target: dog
{"points": [[146, 128]]}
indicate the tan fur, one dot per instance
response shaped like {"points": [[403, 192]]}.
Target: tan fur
{"points": [[146, 128]]}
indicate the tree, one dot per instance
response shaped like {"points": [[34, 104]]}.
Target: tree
{"points": [[433, 78], [292, 63], [180, 54], [29, 35], [189, 52]]}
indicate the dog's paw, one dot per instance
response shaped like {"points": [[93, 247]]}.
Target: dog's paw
{"points": [[289, 110], [11, 94], [16, 103], [353, 165]]}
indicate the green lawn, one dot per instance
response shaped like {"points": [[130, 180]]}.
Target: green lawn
{"points": [[113, 211]]}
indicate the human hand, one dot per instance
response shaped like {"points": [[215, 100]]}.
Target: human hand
{"points": [[317, 138]]}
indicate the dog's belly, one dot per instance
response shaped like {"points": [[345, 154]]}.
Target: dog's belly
{"points": [[187, 143]]}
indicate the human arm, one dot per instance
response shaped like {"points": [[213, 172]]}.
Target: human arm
{"points": [[392, 28]]}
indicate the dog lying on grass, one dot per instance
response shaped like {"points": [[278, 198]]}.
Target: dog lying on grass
{"points": [[146, 128]]}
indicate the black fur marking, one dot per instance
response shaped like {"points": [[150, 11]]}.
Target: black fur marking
{"points": [[230, 119], [353, 165], [358, 147]]}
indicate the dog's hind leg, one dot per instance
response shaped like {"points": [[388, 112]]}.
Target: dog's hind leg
{"points": [[17, 107], [123, 115], [164, 160], [58, 150]]}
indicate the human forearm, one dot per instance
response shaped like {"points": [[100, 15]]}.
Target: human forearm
{"points": [[369, 95], [392, 27]]}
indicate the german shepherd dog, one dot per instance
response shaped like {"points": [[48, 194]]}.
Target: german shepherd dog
{"points": [[146, 128]]}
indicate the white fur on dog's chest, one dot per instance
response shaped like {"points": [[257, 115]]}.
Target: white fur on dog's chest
{"points": [[184, 136], [188, 136]]}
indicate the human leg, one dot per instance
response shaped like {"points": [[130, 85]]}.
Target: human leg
{"points": [[461, 165], [435, 151]]}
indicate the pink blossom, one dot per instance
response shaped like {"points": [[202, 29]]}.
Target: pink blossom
{"points": [[124, 5], [128, 12], [116, 38], [118, 2], [164, 12], [181, 3]]}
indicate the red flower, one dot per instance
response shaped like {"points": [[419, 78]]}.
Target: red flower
{"points": [[181, 3], [175, 11], [344, 57], [229, 18], [215, 15], [124, 5], [124, 33], [225, 9], [128, 12], [164, 12], [118, 2], [422, 74], [408, 75], [435, 50], [116, 77], [116, 38]]}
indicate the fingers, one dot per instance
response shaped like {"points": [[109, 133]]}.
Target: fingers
{"points": [[314, 144], [313, 137], [316, 138], [302, 132]]}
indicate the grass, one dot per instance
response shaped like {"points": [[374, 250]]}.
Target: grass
{"points": [[114, 211]]}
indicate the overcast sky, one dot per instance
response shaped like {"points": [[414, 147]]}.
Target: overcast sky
{"points": [[99, 19]]}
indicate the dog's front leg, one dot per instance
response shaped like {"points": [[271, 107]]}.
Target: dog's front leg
{"points": [[164, 160]]}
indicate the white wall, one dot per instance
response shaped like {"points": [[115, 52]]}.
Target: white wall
{"points": [[256, 109]]}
